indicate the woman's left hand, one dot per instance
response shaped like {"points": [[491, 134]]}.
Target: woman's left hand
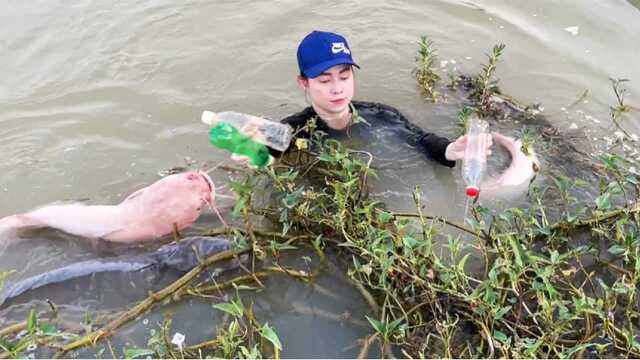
{"points": [[455, 150]]}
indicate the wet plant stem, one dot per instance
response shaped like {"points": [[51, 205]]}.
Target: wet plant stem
{"points": [[440, 219]]}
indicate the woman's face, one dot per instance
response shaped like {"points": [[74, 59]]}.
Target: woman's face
{"points": [[332, 91]]}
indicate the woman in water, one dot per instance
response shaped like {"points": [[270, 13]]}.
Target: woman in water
{"points": [[327, 79]]}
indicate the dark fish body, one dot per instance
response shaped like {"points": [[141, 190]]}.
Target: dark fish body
{"points": [[181, 256]]}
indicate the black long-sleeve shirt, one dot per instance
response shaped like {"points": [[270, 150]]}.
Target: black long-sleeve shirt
{"points": [[377, 115]]}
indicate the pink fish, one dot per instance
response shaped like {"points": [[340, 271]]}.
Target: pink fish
{"points": [[517, 177], [149, 213]]}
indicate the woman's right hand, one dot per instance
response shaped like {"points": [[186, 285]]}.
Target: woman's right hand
{"points": [[245, 161], [241, 159], [251, 130]]}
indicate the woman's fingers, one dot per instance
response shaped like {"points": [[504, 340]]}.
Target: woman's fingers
{"points": [[240, 159]]}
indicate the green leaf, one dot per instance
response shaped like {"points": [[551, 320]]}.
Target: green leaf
{"points": [[5, 345], [384, 217], [394, 324], [254, 353], [326, 157], [500, 313], [569, 353], [409, 242], [240, 204], [267, 332], [377, 325], [617, 250], [136, 353], [614, 188], [49, 329], [500, 336], [603, 202], [233, 308], [32, 322], [518, 251]]}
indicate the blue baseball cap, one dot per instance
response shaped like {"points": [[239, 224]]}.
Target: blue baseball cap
{"points": [[321, 50]]}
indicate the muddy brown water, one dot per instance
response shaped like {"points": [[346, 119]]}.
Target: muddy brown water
{"points": [[98, 97]]}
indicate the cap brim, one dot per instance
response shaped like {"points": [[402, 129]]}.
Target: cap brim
{"points": [[318, 69]]}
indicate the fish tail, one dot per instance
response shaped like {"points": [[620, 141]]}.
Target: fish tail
{"points": [[18, 221]]}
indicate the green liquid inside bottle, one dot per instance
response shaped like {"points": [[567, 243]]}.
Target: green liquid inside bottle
{"points": [[227, 137]]}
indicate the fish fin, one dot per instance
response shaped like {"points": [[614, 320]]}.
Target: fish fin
{"points": [[109, 234], [135, 195]]}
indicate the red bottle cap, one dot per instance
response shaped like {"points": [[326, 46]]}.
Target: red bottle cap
{"points": [[472, 191]]}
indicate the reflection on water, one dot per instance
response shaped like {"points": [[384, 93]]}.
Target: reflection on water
{"points": [[98, 97]]}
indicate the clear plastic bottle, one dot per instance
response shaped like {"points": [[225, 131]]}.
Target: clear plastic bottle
{"points": [[474, 163], [270, 133]]}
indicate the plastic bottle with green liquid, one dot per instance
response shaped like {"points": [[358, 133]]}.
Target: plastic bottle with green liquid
{"points": [[247, 135]]}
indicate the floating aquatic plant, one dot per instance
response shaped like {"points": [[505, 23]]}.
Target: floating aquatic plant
{"points": [[424, 71]]}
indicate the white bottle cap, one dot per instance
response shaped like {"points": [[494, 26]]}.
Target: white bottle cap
{"points": [[209, 117]]}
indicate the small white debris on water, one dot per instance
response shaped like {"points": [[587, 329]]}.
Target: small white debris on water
{"points": [[573, 30], [443, 63], [178, 340], [453, 61], [591, 118], [585, 101], [587, 51], [534, 15], [468, 58], [573, 126], [501, 26], [145, 322], [633, 170], [619, 135]]}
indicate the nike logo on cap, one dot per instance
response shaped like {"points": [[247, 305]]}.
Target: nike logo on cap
{"points": [[337, 47]]}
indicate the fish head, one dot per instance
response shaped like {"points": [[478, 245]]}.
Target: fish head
{"points": [[189, 252], [192, 183]]}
